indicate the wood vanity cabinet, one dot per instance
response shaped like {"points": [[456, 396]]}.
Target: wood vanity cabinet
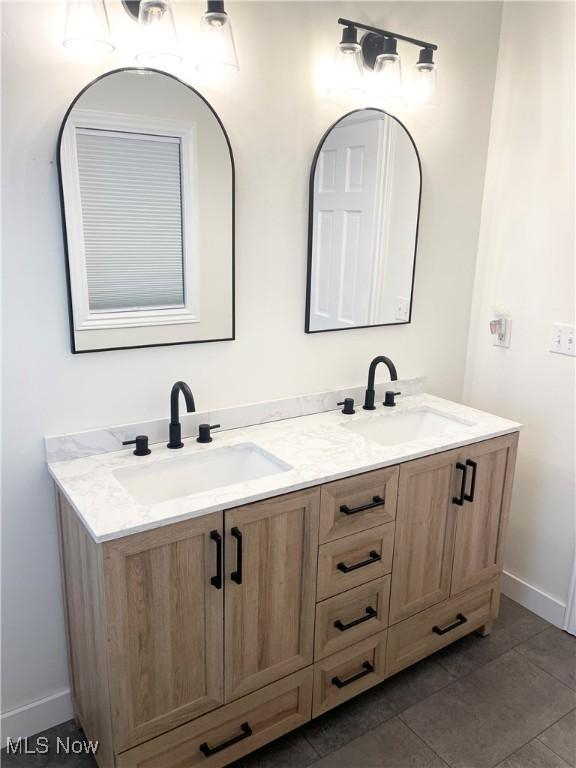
{"points": [[197, 642], [451, 523]]}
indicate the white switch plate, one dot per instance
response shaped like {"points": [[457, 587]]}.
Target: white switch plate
{"points": [[563, 339], [505, 340], [402, 313]]}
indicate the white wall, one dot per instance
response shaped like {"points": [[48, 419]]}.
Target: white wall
{"points": [[275, 117], [526, 267]]}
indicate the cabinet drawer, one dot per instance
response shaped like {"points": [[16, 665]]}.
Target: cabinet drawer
{"points": [[230, 732], [345, 619], [358, 503], [359, 558], [421, 635], [345, 674]]}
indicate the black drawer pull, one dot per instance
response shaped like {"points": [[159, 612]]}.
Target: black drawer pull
{"points": [[370, 614], [460, 619], [208, 751], [367, 668], [460, 499], [237, 574], [216, 581], [470, 496], [377, 501], [374, 558]]}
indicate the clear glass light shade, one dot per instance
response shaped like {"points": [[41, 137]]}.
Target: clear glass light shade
{"points": [[426, 85], [388, 76], [87, 30], [157, 41], [216, 47], [347, 74]]}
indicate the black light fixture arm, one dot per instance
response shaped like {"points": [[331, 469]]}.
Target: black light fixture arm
{"points": [[384, 33]]}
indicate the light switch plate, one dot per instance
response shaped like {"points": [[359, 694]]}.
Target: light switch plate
{"points": [[504, 339], [563, 340], [402, 309]]}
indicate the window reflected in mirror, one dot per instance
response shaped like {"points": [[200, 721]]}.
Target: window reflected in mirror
{"points": [[147, 182]]}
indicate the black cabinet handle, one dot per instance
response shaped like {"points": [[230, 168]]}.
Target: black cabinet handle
{"points": [[216, 581], [367, 669], [370, 614], [460, 619], [377, 501], [460, 499], [470, 496], [237, 574], [208, 751], [374, 558]]}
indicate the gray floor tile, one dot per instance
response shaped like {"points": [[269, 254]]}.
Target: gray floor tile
{"points": [[533, 755], [390, 745], [348, 721], [480, 719], [290, 751], [555, 652], [514, 625], [414, 684], [52, 759], [561, 738]]}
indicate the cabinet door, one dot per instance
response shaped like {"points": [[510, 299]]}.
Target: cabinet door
{"points": [[424, 544], [271, 550], [482, 521], [165, 627]]}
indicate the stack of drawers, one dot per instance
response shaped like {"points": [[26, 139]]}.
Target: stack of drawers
{"points": [[353, 588]]}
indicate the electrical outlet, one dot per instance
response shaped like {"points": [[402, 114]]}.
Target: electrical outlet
{"points": [[563, 340], [402, 313]]}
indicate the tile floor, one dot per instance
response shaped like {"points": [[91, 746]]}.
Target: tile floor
{"points": [[507, 700]]}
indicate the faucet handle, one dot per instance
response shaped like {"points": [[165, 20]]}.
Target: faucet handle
{"points": [[141, 443], [389, 401], [204, 435], [348, 404]]}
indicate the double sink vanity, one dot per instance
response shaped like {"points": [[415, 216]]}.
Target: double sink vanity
{"points": [[223, 594]]}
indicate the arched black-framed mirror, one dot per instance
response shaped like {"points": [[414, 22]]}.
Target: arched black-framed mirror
{"points": [[365, 192], [146, 176]]}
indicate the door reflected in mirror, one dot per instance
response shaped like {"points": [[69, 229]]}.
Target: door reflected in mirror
{"points": [[363, 226]]}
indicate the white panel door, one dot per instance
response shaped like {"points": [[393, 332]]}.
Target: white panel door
{"points": [[345, 237]]}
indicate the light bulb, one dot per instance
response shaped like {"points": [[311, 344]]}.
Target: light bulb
{"points": [[348, 75], [216, 47], [388, 71], [426, 85], [87, 30], [157, 42]]}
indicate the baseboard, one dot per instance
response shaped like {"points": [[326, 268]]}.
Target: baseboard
{"points": [[540, 603], [36, 716]]}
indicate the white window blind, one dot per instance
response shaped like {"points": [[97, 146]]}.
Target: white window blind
{"points": [[130, 191]]}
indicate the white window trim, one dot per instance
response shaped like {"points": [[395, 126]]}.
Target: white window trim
{"points": [[185, 133]]}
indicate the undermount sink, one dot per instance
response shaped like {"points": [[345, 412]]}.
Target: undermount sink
{"points": [[391, 429], [181, 476]]}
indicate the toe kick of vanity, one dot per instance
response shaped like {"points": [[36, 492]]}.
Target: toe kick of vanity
{"points": [[197, 642]]}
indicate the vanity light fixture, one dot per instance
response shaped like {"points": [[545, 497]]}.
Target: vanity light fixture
{"points": [[348, 74], [378, 52], [216, 47], [388, 69], [87, 30], [157, 41]]}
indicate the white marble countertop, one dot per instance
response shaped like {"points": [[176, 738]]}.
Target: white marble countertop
{"points": [[317, 448]]}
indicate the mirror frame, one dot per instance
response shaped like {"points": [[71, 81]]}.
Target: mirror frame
{"points": [[232, 337], [311, 224]]}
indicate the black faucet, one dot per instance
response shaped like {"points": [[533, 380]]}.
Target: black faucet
{"points": [[175, 428], [369, 399]]}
